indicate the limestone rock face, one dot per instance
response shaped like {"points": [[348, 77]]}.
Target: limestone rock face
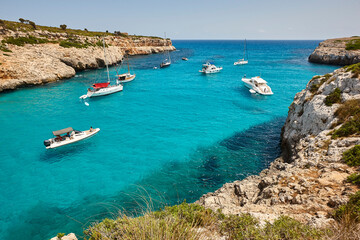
{"points": [[43, 63], [308, 182], [332, 51], [70, 236]]}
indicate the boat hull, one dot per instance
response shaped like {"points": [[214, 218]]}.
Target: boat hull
{"points": [[249, 85], [241, 63], [105, 91], [211, 71], [164, 65], [84, 135], [127, 78]]}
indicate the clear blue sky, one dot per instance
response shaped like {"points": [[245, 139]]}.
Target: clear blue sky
{"points": [[197, 19]]}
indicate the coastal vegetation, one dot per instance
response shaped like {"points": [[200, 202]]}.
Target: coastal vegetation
{"points": [[334, 97], [355, 69], [353, 44], [315, 86], [21, 41], [28, 26], [352, 156]]}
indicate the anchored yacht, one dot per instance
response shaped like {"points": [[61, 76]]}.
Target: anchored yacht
{"points": [[257, 85], [210, 68]]}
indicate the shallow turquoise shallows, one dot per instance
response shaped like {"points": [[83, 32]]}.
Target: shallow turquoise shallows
{"points": [[171, 134]]}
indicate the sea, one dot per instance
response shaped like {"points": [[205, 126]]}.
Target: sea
{"points": [[170, 136]]}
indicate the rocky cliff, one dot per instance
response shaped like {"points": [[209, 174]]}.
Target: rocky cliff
{"points": [[33, 64], [339, 51], [308, 181]]}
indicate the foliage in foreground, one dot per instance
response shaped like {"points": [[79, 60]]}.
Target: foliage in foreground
{"points": [[188, 221], [354, 179]]}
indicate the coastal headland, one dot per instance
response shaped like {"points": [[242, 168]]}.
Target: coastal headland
{"points": [[33, 56], [337, 51]]}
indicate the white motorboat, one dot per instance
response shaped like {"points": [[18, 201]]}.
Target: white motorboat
{"points": [[242, 61], [257, 85], [104, 88], [126, 77], [210, 68], [184, 58], [67, 136]]}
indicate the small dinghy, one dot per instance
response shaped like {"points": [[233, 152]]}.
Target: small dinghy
{"points": [[69, 135]]}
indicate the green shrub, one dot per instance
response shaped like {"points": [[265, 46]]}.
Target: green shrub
{"points": [[240, 227], [75, 44], [63, 26], [21, 41], [352, 156], [347, 110], [334, 97], [60, 235], [314, 87], [355, 69], [353, 44], [354, 178], [350, 127], [4, 49], [350, 210], [287, 228]]}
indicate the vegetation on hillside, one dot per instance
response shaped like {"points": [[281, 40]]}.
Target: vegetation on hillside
{"points": [[29, 26], [334, 97], [352, 156], [353, 44], [21, 41], [355, 69], [315, 86]]}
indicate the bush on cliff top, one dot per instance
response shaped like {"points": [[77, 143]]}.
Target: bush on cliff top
{"points": [[352, 156], [353, 44], [334, 97], [314, 87]]}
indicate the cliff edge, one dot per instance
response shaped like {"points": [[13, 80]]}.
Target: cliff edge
{"points": [[309, 181], [338, 51]]}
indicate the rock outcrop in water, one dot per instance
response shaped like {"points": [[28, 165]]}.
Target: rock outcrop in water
{"points": [[334, 51], [308, 181], [34, 64]]}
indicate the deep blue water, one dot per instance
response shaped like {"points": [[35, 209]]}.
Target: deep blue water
{"points": [[172, 134]]}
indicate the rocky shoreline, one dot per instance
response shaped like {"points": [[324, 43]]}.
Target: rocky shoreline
{"points": [[309, 181], [34, 64], [334, 52]]}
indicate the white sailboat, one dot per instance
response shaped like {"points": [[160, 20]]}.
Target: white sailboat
{"points": [[242, 61], [104, 88], [167, 61], [126, 77]]}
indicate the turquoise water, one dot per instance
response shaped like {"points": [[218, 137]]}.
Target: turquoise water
{"points": [[172, 134]]}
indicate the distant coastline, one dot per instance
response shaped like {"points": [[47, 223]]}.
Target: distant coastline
{"points": [[31, 56]]}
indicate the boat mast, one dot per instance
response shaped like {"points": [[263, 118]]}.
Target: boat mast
{"points": [[127, 58], [244, 49], [107, 68]]}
